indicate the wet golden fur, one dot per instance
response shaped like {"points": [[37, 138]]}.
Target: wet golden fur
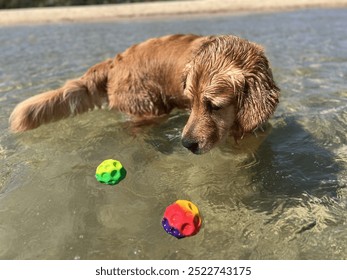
{"points": [[226, 81]]}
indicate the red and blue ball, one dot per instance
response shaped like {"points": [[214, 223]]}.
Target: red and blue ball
{"points": [[181, 219]]}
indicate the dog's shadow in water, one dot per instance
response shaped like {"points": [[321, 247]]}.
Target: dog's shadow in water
{"points": [[293, 163]]}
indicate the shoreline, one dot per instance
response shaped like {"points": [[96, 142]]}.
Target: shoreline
{"points": [[149, 10]]}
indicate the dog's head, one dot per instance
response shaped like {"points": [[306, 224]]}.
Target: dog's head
{"points": [[231, 88]]}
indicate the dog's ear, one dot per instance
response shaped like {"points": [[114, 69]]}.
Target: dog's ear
{"points": [[256, 102]]}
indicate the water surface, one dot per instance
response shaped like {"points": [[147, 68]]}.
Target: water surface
{"points": [[280, 195]]}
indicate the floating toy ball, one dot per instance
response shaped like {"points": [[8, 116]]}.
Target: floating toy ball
{"points": [[181, 219], [110, 172]]}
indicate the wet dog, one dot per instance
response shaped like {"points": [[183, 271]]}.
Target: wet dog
{"points": [[225, 81]]}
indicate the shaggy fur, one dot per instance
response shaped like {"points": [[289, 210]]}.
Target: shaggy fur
{"points": [[226, 81]]}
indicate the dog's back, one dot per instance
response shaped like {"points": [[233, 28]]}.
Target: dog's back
{"points": [[146, 79]]}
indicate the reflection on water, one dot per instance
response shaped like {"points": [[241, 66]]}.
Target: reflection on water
{"points": [[280, 195]]}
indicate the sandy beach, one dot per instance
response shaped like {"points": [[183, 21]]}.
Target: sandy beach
{"points": [[155, 9]]}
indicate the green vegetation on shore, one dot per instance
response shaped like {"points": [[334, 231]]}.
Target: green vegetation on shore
{"points": [[9, 4]]}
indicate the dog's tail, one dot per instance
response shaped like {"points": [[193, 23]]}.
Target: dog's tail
{"points": [[75, 97]]}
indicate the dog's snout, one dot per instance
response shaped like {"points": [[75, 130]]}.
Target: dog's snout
{"points": [[191, 145]]}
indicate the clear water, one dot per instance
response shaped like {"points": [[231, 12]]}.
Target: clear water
{"points": [[280, 195]]}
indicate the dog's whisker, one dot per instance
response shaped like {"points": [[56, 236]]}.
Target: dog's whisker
{"points": [[261, 127]]}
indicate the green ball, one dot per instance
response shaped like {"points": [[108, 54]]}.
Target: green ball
{"points": [[110, 172]]}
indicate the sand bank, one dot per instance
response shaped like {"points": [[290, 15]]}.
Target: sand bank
{"points": [[154, 9]]}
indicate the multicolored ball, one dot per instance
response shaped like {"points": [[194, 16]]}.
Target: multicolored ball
{"points": [[181, 219], [110, 172]]}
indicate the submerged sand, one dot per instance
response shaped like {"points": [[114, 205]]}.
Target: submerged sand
{"points": [[154, 9]]}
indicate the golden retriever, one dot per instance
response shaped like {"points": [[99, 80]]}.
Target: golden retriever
{"points": [[225, 81]]}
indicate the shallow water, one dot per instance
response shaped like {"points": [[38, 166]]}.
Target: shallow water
{"points": [[280, 195]]}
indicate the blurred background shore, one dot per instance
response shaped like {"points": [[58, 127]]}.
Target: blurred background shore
{"points": [[51, 11]]}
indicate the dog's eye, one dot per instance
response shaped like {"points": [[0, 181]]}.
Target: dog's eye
{"points": [[212, 107]]}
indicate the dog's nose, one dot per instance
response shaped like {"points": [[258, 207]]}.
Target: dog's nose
{"points": [[191, 145]]}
